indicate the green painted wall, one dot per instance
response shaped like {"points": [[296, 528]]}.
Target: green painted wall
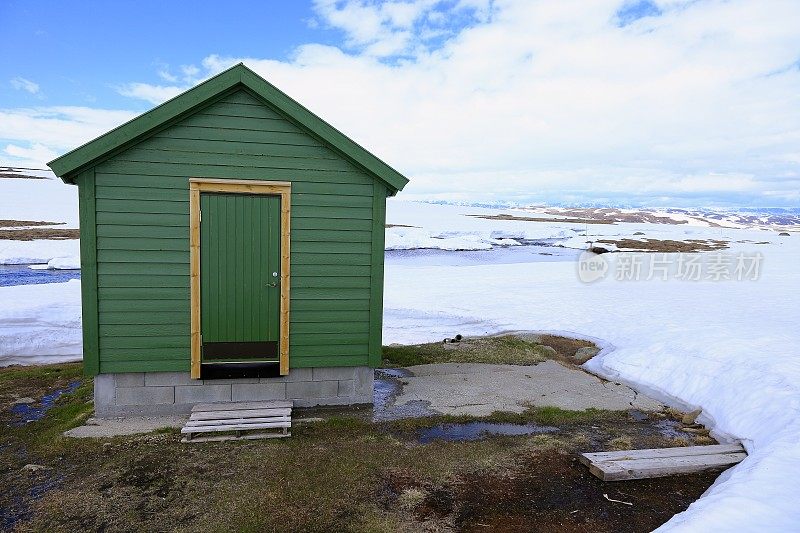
{"points": [[136, 291]]}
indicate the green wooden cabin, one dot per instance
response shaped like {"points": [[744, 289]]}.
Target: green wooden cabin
{"points": [[232, 248]]}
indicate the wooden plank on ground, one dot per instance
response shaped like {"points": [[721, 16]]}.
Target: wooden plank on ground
{"points": [[641, 464], [678, 451]]}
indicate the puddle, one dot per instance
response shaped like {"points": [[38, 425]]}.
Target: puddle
{"points": [[22, 275], [478, 430], [30, 412], [20, 506], [387, 385], [668, 428], [20, 510], [671, 429]]}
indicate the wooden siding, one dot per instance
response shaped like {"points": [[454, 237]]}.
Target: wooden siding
{"points": [[141, 210]]}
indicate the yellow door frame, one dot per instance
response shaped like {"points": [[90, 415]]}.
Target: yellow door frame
{"points": [[279, 188]]}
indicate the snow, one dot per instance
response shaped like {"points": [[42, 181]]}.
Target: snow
{"points": [[40, 323], [49, 200], [454, 227], [70, 262], [461, 229], [401, 238], [730, 347], [39, 251]]}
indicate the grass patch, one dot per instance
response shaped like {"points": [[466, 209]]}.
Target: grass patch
{"points": [[620, 443], [499, 350], [69, 411], [543, 416], [166, 430], [554, 416], [34, 382], [13, 378]]}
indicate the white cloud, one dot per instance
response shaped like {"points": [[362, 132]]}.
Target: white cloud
{"points": [[522, 99], [554, 96], [28, 157], [166, 75], [190, 73], [158, 94], [155, 94], [22, 84], [383, 29], [37, 135]]}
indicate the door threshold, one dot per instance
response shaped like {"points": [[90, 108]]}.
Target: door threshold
{"points": [[261, 369]]}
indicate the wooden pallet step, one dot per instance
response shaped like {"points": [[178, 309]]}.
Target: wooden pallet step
{"points": [[238, 420], [234, 406], [240, 413], [235, 427], [247, 436], [641, 464], [229, 421]]}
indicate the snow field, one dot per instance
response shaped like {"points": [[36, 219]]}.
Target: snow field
{"points": [[40, 323], [730, 347]]}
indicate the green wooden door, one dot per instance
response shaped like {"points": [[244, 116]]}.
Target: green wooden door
{"points": [[239, 277]]}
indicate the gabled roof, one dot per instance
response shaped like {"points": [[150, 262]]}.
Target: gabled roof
{"points": [[69, 165]]}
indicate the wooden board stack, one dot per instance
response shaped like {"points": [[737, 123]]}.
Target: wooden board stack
{"points": [[640, 464]]}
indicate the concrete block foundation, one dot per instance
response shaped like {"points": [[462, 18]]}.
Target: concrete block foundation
{"points": [[168, 393]]}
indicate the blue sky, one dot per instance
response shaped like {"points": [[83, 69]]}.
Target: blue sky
{"points": [[630, 102], [79, 51]]}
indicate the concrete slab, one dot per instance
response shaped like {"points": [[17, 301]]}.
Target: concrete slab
{"points": [[480, 389], [115, 427]]}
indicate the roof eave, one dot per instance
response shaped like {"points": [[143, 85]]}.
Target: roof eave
{"points": [[320, 127], [69, 165]]}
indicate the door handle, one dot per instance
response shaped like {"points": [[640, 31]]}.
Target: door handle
{"points": [[273, 284]]}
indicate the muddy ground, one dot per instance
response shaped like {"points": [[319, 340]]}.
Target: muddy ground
{"points": [[342, 474], [546, 491]]}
